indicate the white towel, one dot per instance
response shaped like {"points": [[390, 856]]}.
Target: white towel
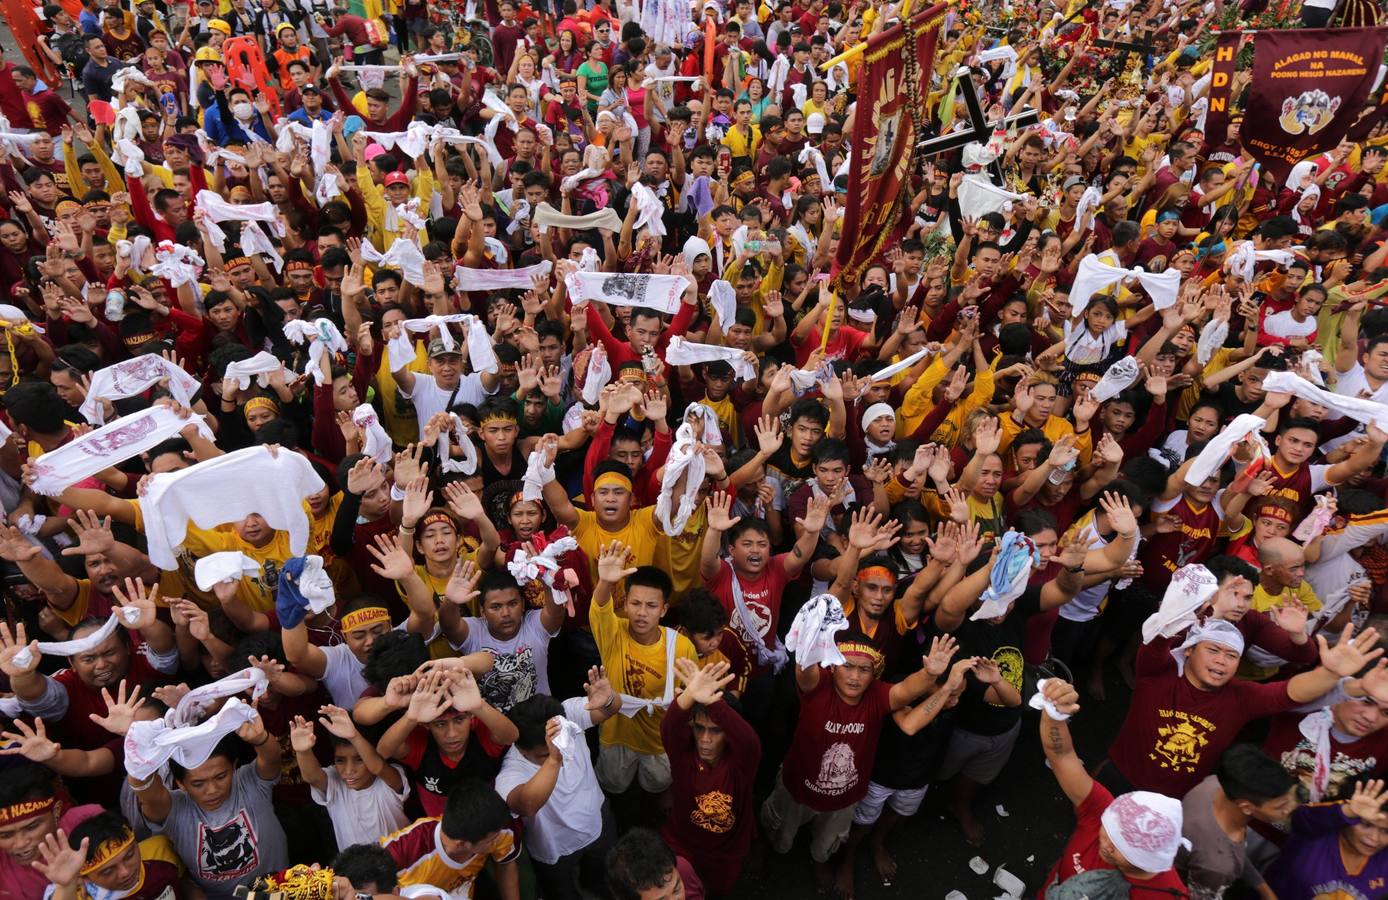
{"points": [[426, 324], [1359, 409], [547, 217], [377, 442], [680, 352], [1038, 701], [109, 445], [1244, 258], [1217, 450], [978, 196], [227, 489], [218, 210], [651, 211], [1119, 377], [684, 461], [322, 337], [1316, 728], [1094, 275], [261, 367], [1190, 588], [599, 373], [1215, 631], [536, 476], [811, 635], [197, 701], [811, 154], [722, 296], [543, 566], [80, 645], [135, 376], [466, 279], [230, 565], [658, 292], [403, 255], [178, 265], [896, 368], [149, 745], [774, 656], [467, 463], [1212, 337]]}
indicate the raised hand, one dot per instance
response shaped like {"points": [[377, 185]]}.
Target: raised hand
{"points": [[720, 518], [466, 695], [461, 589], [1062, 695], [32, 743], [769, 436], [704, 685], [612, 563], [93, 534], [1120, 513], [431, 697], [337, 721], [599, 690], [1353, 652], [301, 736], [394, 560], [135, 597], [59, 862], [816, 514], [1367, 802], [942, 650], [121, 710]]}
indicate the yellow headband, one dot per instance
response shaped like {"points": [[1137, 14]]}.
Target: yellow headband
{"points": [[28, 809], [858, 647], [364, 618], [499, 415], [614, 479], [439, 516], [108, 851]]}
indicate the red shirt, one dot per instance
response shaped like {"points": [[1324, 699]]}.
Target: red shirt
{"points": [[1349, 760], [761, 596], [77, 729], [1175, 732], [844, 343], [831, 756], [1081, 853], [1193, 542]]}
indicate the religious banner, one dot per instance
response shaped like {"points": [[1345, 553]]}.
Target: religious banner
{"points": [[892, 87], [1221, 87], [1309, 87]]}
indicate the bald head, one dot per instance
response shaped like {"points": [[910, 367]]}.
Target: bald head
{"points": [[1280, 552]]}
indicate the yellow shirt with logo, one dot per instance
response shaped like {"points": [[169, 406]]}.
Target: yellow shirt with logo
{"points": [[637, 670]]}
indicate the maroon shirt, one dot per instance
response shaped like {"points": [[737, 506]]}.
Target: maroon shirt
{"points": [[1174, 732], [831, 756]]}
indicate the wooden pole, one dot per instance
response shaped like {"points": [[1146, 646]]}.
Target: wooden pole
{"points": [[828, 321]]}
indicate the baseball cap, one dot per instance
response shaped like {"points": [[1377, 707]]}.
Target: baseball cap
{"points": [[397, 178], [1072, 181], [438, 348], [814, 123]]}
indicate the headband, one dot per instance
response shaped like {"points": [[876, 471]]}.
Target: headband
{"points": [[364, 618], [633, 374], [438, 516], [615, 479], [65, 204], [857, 647], [28, 809], [261, 402], [1273, 510], [744, 176], [498, 415], [298, 265], [105, 852], [875, 571], [1216, 631], [228, 265]]}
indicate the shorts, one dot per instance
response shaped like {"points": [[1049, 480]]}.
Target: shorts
{"points": [[980, 757], [904, 802], [618, 765], [782, 818]]}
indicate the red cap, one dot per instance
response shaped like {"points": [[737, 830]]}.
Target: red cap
{"points": [[397, 178]]}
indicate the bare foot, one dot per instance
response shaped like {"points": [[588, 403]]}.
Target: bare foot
{"points": [[886, 864], [824, 876], [972, 828], [1095, 686], [843, 878]]}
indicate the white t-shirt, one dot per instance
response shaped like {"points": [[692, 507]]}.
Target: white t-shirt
{"points": [[1084, 348], [429, 399], [343, 675], [572, 817], [365, 816], [1284, 325], [520, 669]]}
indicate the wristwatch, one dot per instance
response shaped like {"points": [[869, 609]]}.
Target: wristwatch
{"points": [[1075, 570]]}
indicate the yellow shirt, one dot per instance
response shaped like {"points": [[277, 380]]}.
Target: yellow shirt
{"points": [[679, 555], [1262, 602], [641, 534], [638, 670], [742, 145], [397, 412]]}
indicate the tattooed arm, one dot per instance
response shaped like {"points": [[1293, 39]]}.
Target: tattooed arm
{"points": [[1059, 748]]}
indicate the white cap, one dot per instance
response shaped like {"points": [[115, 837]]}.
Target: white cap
{"points": [[1146, 829], [814, 123]]}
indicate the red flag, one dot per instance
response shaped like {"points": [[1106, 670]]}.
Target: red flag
{"points": [[1309, 87], [885, 131], [1221, 83]]}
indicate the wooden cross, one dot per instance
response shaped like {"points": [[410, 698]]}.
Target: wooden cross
{"points": [[979, 129], [1142, 45]]}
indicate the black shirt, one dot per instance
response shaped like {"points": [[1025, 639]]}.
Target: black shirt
{"points": [[1002, 643]]}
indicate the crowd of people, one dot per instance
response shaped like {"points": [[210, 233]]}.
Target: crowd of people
{"points": [[442, 459]]}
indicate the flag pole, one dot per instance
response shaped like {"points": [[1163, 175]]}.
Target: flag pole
{"points": [[859, 48], [829, 316]]}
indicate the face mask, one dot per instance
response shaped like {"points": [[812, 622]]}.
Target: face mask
{"points": [[241, 110]]}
